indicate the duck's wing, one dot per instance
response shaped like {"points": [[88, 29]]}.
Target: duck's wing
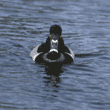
{"points": [[71, 54], [34, 53]]}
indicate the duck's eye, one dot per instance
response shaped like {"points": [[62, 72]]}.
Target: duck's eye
{"points": [[49, 35], [54, 43]]}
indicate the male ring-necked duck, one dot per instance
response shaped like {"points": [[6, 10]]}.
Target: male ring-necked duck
{"points": [[53, 50]]}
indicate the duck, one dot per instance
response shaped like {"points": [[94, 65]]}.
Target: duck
{"points": [[53, 50]]}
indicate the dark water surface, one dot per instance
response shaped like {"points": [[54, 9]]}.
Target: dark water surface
{"points": [[83, 85]]}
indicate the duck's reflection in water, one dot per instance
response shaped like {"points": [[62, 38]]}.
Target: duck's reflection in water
{"points": [[52, 78]]}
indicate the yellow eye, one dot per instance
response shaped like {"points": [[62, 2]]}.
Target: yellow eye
{"points": [[60, 36], [49, 35]]}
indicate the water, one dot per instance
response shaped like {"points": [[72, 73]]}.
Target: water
{"points": [[85, 84]]}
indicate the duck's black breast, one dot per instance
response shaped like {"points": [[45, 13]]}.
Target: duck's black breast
{"points": [[52, 58], [42, 54]]}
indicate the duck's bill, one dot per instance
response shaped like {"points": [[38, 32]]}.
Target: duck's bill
{"points": [[54, 46], [53, 50]]}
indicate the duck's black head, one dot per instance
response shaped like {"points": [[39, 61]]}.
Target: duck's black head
{"points": [[56, 29]]}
